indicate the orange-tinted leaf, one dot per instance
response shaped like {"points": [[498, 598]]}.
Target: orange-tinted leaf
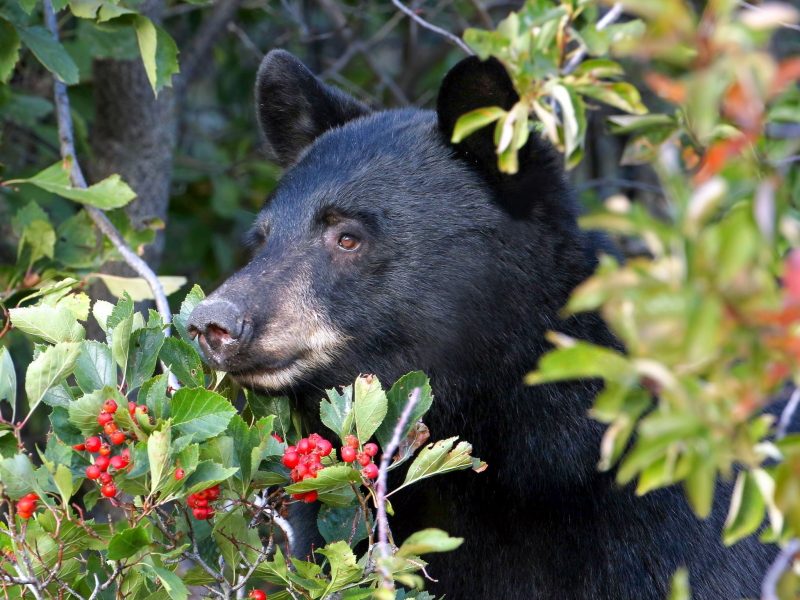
{"points": [[669, 89], [788, 72]]}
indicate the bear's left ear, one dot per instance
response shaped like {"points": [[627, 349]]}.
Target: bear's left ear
{"points": [[294, 107], [470, 85]]}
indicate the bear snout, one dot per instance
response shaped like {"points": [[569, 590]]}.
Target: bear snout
{"points": [[221, 329]]}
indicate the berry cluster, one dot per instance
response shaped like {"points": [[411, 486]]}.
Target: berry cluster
{"points": [[305, 461], [26, 506], [199, 501], [350, 453], [99, 470]]}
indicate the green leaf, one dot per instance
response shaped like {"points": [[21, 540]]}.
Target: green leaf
{"points": [[680, 585], [436, 459], [50, 53], [699, 486], [158, 453], [242, 447], [127, 543], [50, 368], [207, 474], [343, 567], [64, 430], [8, 378], [200, 412], [111, 192], [628, 123], [154, 394], [172, 584], [182, 360], [619, 94], [336, 524], [327, 480], [264, 406], [83, 412], [17, 476], [475, 120], [9, 50], [369, 407], [233, 525], [428, 540], [159, 53], [63, 481], [337, 414], [138, 288], [143, 350], [193, 298], [49, 323], [58, 395], [121, 340], [95, 368], [580, 360], [398, 399], [41, 238], [598, 68], [645, 148], [747, 509]]}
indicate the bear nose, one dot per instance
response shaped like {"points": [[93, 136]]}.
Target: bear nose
{"points": [[218, 326]]}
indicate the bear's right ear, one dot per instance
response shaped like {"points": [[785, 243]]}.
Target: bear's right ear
{"points": [[294, 107], [471, 84]]}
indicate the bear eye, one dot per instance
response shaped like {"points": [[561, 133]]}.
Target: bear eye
{"points": [[348, 242]]}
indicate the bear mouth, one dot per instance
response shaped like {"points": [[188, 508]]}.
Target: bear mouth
{"points": [[273, 376]]}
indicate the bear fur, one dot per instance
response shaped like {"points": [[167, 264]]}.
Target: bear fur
{"points": [[460, 272]]}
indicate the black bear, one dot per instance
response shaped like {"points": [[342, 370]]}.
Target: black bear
{"points": [[385, 249]]}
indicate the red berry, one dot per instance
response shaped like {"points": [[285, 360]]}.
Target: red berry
{"points": [[290, 449], [93, 472], [324, 447], [370, 449], [370, 471], [351, 441], [213, 492], [210, 513], [295, 475], [105, 478], [201, 514], [102, 462], [302, 469], [291, 459], [303, 447], [311, 496], [258, 595], [315, 438], [110, 427], [26, 505], [105, 450], [348, 454], [315, 468], [309, 475], [32, 496], [201, 495], [132, 408], [93, 444], [126, 454], [363, 459], [25, 515], [142, 408], [179, 473], [110, 406], [118, 462], [109, 490], [313, 459], [118, 437], [191, 501], [298, 496], [80, 447], [104, 418], [201, 503], [277, 437]]}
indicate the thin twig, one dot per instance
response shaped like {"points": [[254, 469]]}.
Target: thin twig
{"points": [[611, 16], [778, 567], [380, 487], [66, 139], [759, 9], [412, 15], [786, 415]]}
